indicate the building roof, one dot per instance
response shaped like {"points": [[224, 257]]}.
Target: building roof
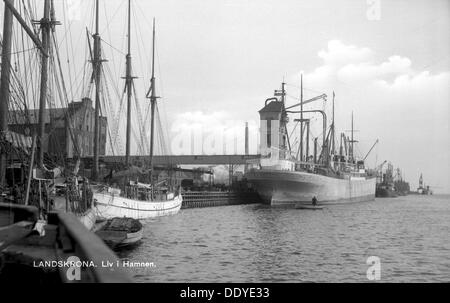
{"points": [[273, 106]]}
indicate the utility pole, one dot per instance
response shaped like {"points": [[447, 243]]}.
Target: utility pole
{"points": [[46, 25], [4, 85]]}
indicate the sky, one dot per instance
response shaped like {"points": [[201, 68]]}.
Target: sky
{"points": [[217, 61]]}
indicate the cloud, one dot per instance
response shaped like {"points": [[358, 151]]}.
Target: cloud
{"points": [[407, 108], [339, 53]]}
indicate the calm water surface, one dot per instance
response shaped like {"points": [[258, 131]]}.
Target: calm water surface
{"points": [[256, 243]]}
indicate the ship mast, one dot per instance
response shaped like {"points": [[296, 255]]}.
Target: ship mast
{"points": [[151, 94], [97, 63], [351, 142], [128, 87], [46, 25], [301, 117], [333, 149], [4, 85]]}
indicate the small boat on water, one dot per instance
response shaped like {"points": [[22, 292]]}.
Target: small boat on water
{"points": [[120, 232]]}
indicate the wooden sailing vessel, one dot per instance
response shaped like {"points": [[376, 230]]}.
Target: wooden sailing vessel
{"points": [[137, 200], [33, 236], [38, 186]]}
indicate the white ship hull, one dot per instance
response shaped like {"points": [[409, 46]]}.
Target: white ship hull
{"points": [[110, 206], [89, 218], [288, 188]]}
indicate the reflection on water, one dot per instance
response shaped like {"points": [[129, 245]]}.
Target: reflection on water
{"points": [[256, 243]]}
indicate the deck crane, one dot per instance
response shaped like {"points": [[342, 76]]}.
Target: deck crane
{"points": [[376, 142], [380, 167]]}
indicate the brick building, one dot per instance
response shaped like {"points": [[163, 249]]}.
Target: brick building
{"points": [[65, 128]]}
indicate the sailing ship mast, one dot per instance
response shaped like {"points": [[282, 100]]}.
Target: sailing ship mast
{"points": [[46, 25], [97, 67], [151, 94], [301, 117], [351, 142], [4, 85], [43, 46], [128, 87]]}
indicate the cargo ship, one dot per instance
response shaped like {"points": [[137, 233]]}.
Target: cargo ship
{"points": [[285, 177], [402, 187], [385, 183]]}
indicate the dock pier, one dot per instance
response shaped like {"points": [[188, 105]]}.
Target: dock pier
{"points": [[196, 199]]}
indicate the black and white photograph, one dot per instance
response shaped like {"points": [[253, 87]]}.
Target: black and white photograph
{"points": [[197, 143]]}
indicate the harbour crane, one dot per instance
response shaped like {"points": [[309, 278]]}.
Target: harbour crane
{"points": [[323, 96], [379, 168]]}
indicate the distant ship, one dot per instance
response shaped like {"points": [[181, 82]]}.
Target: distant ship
{"points": [[385, 183], [402, 187], [422, 189], [283, 177]]}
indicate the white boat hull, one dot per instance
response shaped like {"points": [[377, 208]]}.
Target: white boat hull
{"points": [[88, 218], [288, 188], [110, 206]]}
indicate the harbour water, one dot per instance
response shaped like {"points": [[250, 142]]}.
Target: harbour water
{"points": [[255, 243]]}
